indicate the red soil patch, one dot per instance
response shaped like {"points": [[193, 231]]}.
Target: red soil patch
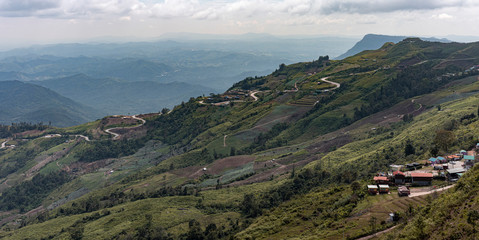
{"points": [[117, 120], [30, 133], [214, 168], [129, 133]]}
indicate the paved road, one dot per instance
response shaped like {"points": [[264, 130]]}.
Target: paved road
{"points": [[84, 137], [3, 144], [116, 135], [254, 96], [325, 79]]}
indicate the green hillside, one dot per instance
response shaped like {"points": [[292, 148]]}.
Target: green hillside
{"points": [[24, 102], [284, 156]]}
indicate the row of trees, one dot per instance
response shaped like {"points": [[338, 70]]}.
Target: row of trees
{"points": [[10, 130]]}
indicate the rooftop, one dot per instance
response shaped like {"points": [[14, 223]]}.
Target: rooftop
{"points": [[380, 178], [456, 170], [420, 174], [468, 157]]}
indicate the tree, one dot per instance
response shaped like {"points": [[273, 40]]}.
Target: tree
{"points": [[165, 111], [355, 186], [194, 232], [444, 139], [76, 231], [409, 148], [250, 206]]}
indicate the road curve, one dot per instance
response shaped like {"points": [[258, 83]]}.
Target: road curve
{"points": [[84, 137], [254, 96], [116, 135], [4, 144], [325, 79]]}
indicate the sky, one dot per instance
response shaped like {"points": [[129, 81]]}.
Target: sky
{"points": [[26, 22]]}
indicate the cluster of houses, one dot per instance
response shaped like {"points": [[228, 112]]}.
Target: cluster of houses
{"points": [[448, 168]]}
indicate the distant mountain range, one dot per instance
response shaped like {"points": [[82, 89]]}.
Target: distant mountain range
{"points": [[24, 102], [375, 41], [115, 96], [141, 77]]}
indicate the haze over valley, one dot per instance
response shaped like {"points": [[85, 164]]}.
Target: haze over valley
{"points": [[239, 119]]}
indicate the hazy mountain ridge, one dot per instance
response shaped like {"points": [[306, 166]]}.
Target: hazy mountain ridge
{"points": [[375, 41], [115, 96], [289, 159], [24, 102]]}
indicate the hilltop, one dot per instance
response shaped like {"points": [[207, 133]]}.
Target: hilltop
{"points": [[24, 102], [375, 41], [287, 155]]}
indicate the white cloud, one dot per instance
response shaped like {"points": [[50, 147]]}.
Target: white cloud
{"points": [[379, 6], [211, 9], [442, 16]]}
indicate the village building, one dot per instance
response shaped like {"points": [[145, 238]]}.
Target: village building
{"points": [[438, 167], [463, 152], [420, 179], [381, 180], [455, 173], [383, 188], [399, 177], [410, 166], [469, 157], [395, 167], [453, 158], [440, 160], [373, 189]]}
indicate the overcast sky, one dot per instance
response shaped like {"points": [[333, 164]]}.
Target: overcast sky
{"points": [[52, 21]]}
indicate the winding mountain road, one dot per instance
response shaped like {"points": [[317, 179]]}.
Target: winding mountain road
{"points": [[4, 144], [254, 96], [325, 79], [116, 135], [84, 137]]}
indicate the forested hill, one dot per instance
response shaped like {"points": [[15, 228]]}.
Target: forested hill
{"points": [[282, 156], [24, 102]]}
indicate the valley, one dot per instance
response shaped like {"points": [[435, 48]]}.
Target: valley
{"points": [[284, 156]]}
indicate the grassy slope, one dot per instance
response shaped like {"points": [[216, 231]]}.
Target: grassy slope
{"points": [[370, 151], [294, 217]]}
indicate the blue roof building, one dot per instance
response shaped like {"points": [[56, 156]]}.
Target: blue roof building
{"points": [[468, 157]]}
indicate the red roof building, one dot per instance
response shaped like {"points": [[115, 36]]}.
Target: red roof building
{"points": [[381, 180], [420, 178]]}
